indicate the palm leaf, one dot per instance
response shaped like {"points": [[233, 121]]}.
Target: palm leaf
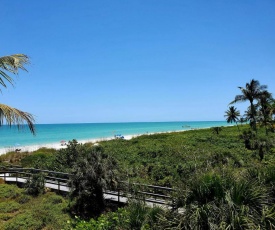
{"points": [[14, 116], [12, 64], [238, 98]]}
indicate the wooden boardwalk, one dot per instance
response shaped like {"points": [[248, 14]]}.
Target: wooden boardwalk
{"points": [[57, 181]]}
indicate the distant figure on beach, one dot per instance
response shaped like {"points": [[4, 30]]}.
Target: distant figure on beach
{"points": [[119, 136], [63, 143]]}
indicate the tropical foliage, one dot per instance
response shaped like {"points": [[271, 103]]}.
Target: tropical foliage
{"points": [[136, 215], [224, 181], [91, 173], [35, 185], [21, 211], [259, 111], [232, 115], [10, 115]]}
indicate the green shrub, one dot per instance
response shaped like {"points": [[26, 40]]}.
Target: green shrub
{"points": [[9, 207], [24, 221], [23, 199], [55, 199], [91, 173], [39, 160], [35, 185], [9, 191], [206, 188], [135, 216], [5, 217], [108, 221]]}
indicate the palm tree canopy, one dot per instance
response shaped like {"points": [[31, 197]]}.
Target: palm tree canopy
{"points": [[232, 114], [265, 99], [252, 90], [12, 64], [14, 116]]}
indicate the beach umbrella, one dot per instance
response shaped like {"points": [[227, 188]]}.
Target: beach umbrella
{"points": [[62, 142]]}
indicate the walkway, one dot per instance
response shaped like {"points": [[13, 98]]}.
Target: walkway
{"points": [[152, 195]]}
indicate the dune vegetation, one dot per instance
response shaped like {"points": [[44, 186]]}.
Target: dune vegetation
{"points": [[224, 177]]}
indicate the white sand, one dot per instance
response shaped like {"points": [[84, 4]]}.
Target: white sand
{"points": [[31, 148]]}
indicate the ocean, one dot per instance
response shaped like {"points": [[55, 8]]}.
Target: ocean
{"points": [[54, 133]]}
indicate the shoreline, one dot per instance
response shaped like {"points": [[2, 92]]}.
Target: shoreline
{"points": [[58, 145]]}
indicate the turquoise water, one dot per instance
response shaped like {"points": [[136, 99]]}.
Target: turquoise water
{"points": [[52, 133]]}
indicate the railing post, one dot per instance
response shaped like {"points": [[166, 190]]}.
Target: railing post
{"points": [[59, 185], [118, 198], [144, 195]]}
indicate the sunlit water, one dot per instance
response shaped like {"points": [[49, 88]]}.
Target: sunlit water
{"points": [[53, 133]]}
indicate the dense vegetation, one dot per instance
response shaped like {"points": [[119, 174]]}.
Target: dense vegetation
{"points": [[215, 173], [224, 176], [21, 211]]}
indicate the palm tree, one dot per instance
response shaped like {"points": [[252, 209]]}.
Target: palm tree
{"points": [[216, 130], [242, 120], [13, 116], [232, 115], [251, 92], [248, 116], [90, 175], [272, 113], [265, 101]]}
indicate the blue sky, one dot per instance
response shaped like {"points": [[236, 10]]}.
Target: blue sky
{"points": [[145, 60]]}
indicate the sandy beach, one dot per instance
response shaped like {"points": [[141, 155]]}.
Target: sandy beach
{"points": [[57, 145]]}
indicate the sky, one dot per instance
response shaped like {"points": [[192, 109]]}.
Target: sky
{"points": [[138, 60]]}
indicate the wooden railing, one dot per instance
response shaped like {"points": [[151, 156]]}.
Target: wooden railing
{"points": [[59, 181]]}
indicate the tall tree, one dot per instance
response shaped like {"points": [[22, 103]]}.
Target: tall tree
{"points": [[250, 92], [232, 115], [265, 101], [13, 116], [90, 174], [248, 116]]}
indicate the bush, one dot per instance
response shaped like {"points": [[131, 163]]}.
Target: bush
{"points": [[206, 188], [24, 221], [135, 216], [90, 175], [9, 192], [9, 207], [35, 185]]}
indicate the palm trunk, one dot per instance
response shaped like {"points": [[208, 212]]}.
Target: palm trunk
{"points": [[238, 126], [253, 113]]}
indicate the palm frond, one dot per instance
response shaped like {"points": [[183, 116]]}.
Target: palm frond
{"points": [[12, 64], [5, 76], [14, 116], [238, 98]]}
